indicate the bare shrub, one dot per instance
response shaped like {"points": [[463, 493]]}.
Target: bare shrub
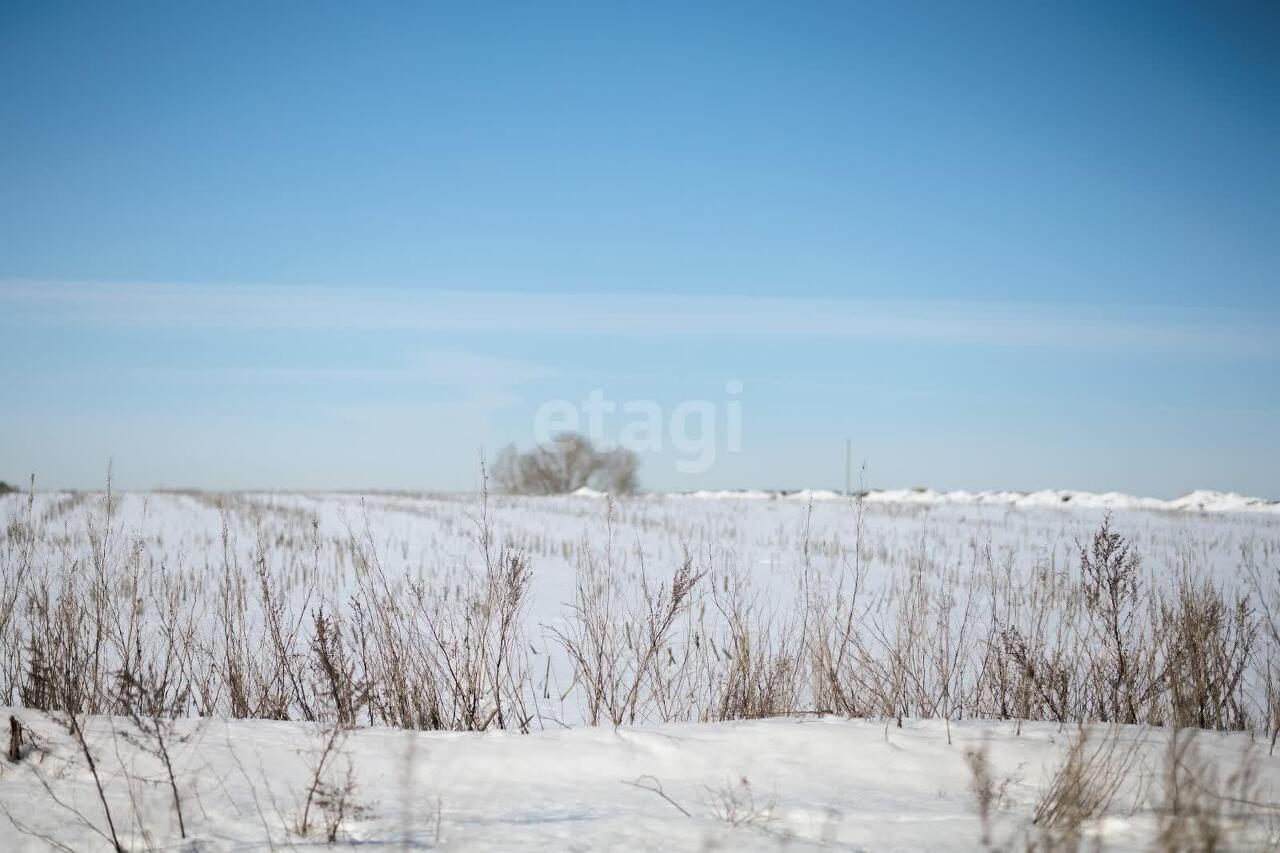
{"points": [[334, 669], [153, 732], [887, 660], [910, 662], [1198, 808], [834, 616], [1124, 671], [330, 795], [76, 728], [989, 793], [1083, 786], [616, 645], [758, 670], [1208, 644], [393, 649], [476, 641], [337, 804], [281, 683], [19, 546], [737, 805], [441, 658], [567, 463], [1046, 676], [1265, 583], [653, 785], [983, 785]]}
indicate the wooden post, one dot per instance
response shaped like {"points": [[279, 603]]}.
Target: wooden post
{"points": [[15, 740]]}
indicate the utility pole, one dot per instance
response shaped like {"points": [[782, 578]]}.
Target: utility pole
{"points": [[848, 466]]}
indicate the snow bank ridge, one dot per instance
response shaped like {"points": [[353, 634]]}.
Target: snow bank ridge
{"points": [[1201, 500]]}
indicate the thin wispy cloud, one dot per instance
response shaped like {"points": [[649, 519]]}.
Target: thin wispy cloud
{"points": [[418, 367], [976, 323]]}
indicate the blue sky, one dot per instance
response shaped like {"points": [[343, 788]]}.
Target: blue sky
{"points": [[323, 245]]}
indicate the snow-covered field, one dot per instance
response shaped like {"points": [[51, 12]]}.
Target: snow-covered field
{"points": [[768, 785], [802, 781], [767, 537]]}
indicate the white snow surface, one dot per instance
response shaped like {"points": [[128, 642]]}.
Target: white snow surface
{"points": [[789, 784]]}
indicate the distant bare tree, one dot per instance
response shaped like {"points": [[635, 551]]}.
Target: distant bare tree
{"points": [[567, 463]]}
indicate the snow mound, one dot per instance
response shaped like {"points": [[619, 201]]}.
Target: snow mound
{"points": [[1201, 500], [745, 494], [814, 495], [1207, 501], [588, 492]]}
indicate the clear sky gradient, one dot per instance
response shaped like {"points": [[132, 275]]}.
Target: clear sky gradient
{"points": [[341, 245]]}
